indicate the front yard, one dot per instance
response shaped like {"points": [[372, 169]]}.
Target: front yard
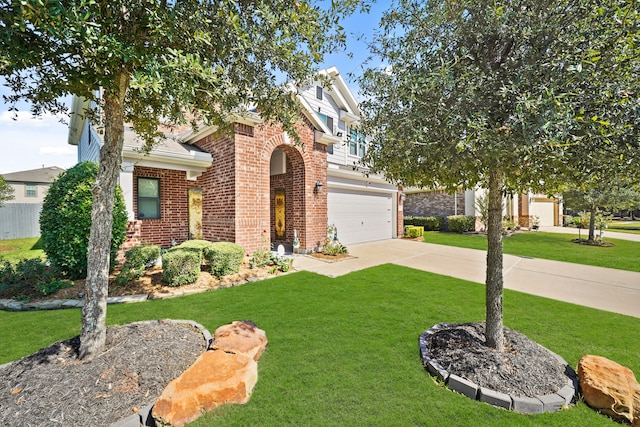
{"points": [[623, 255], [344, 351]]}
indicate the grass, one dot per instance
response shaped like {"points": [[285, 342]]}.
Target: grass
{"points": [[344, 351], [623, 255], [625, 227], [15, 249]]}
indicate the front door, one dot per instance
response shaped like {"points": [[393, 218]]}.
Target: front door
{"points": [[195, 213]]}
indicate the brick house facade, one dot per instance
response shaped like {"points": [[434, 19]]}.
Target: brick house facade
{"points": [[255, 186]]}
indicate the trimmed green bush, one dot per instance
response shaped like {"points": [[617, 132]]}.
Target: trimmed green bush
{"points": [[224, 258], [414, 231], [461, 223], [137, 259], [430, 223], [65, 220], [181, 266]]}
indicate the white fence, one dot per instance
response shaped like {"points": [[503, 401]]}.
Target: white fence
{"points": [[20, 220]]}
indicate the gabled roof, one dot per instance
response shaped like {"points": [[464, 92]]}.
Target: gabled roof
{"points": [[43, 175]]}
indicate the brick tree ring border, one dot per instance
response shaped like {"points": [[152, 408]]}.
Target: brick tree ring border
{"points": [[528, 405]]}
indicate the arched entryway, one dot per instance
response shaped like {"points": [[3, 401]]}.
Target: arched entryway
{"points": [[287, 196]]}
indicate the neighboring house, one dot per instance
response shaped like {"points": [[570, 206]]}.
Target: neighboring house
{"points": [[20, 217], [254, 187], [522, 208], [31, 186]]}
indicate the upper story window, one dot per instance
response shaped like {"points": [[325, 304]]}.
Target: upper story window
{"points": [[148, 198], [30, 190], [319, 92], [357, 143], [328, 120]]}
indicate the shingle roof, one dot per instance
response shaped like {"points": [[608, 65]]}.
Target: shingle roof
{"points": [[42, 175]]}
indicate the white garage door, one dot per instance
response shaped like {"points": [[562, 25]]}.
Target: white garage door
{"points": [[360, 217], [544, 211]]}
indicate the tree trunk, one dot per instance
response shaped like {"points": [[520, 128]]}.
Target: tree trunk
{"points": [[592, 224], [94, 311], [494, 332]]}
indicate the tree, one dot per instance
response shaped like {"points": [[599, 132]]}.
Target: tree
{"points": [[482, 93], [607, 196], [65, 220], [6, 191], [146, 61]]}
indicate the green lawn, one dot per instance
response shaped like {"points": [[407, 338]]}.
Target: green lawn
{"points": [[16, 249], [623, 255], [344, 351], [625, 227]]}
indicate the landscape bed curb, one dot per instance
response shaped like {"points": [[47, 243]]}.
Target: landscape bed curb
{"points": [[56, 304], [527, 405]]}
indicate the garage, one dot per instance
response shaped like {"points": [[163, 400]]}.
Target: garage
{"points": [[546, 210], [360, 216]]}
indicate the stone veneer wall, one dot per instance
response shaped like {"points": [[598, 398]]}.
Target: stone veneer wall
{"points": [[436, 203]]}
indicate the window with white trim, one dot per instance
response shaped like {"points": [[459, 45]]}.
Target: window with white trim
{"points": [[30, 190], [148, 198]]}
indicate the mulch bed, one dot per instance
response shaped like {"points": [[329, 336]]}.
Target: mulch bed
{"points": [[53, 388], [524, 369]]}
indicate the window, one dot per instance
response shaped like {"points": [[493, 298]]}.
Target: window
{"points": [[319, 92], [30, 190], [357, 143], [328, 120], [148, 198]]}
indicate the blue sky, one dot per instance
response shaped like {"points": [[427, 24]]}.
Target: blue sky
{"points": [[31, 143]]}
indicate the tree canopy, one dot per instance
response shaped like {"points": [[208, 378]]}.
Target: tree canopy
{"points": [[150, 61], [6, 191], [507, 95]]}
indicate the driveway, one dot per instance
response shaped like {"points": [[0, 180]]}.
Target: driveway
{"points": [[607, 289]]}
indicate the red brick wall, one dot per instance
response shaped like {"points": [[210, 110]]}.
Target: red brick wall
{"points": [[238, 191], [173, 225]]}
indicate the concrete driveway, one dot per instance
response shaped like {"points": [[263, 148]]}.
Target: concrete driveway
{"points": [[607, 289]]}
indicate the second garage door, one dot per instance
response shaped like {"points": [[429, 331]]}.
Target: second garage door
{"points": [[360, 216]]}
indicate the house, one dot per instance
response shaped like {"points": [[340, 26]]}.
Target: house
{"points": [[31, 186], [522, 208], [254, 187], [20, 216]]}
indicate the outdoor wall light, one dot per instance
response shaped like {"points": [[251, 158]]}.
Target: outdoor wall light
{"points": [[318, 187], [339, 134]]}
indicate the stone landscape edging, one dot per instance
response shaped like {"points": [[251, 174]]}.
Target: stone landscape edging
{"points": [[528, 405], [57, 304]]}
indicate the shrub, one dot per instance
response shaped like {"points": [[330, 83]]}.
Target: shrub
{"points": [[65, 220], [414, 231], [54, 286], [461, 223], [430, 223], [224, 258], [137, 259], [567, 221], [181, 266], [408, 220]]}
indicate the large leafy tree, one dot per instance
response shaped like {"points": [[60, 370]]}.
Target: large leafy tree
{"points": [[607, 196], [6, 191], [506, 95], [152, 61]]}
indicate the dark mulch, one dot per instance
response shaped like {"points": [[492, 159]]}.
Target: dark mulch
{"points": [[592, 243], [53, 388], [524, 369]]}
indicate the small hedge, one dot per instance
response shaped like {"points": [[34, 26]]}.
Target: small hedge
{"points": [[429, 223], [461, 223], [181, 265], [413, 231], [137, 259], [224, 258]]}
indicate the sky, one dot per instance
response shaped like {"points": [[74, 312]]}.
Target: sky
{"points": [[30, 143]]}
